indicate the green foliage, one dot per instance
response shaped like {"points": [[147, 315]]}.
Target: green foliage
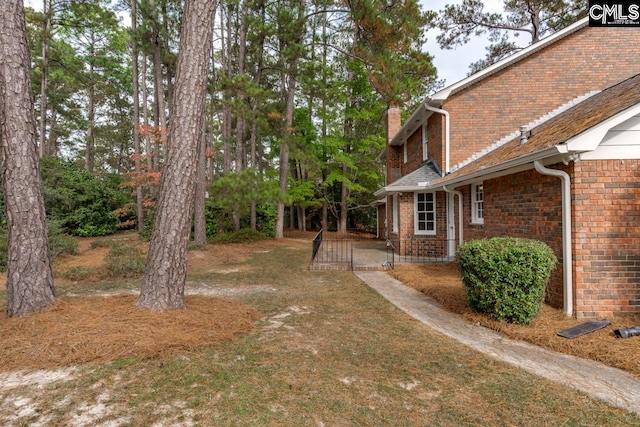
{"points": [[122, 262], [219, 220], [459, 22], [4, 249], [243, 235], [59, 243], [81, 203], [506, 277], [77, 274]]}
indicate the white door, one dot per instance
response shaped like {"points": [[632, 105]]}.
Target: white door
{"points": [[451, 226]]}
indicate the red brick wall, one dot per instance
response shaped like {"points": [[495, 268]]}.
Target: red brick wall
{"points": [[406, 221], [471, 231], [607, 237], [590, 59], [414, 152], [435, 127], [526, 204], [606, 229], [435, 132]]}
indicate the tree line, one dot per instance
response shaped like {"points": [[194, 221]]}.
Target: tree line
{"points": [[248, 102], [294, 106]]}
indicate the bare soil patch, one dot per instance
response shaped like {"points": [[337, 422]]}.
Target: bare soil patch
{"points": [[442, 283]]}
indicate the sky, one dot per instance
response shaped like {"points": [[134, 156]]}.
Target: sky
{"points": [[453, 65]]}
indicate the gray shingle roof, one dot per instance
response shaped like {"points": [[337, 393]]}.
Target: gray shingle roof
{"points": [[428, 172]]}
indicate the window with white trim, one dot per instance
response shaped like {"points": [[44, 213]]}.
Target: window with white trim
{"points": [[477, 203], [425, 213], [394, 208], [406, 157], [425, 140]]}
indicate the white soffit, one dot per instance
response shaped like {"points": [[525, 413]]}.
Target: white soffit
{"points": [[590, 140]]}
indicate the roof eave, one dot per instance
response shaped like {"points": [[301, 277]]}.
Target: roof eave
{"points": [[502, 169], [438, 98], [391, 189], [418, 118]]}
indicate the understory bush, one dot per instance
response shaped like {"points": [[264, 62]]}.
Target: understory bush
{"points": [[122, 262], [506, 277], [59, 243], [84, 204]]}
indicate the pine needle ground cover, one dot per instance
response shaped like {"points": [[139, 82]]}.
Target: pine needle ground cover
{"points": [[442, 282], [281, 346]]}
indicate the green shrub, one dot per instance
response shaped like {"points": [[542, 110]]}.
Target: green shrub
{"points": [[505, 278], [4, 249], [84, 204], [122, 262], [77, 274], [59, 242]]}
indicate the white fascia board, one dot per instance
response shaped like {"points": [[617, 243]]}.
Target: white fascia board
{"points": [[590, 139], [418, 117], [438, 98], [506, 168], [390, 189]]}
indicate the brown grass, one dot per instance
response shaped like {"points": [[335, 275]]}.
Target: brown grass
{"points": [[78, 330], [442, 283]]}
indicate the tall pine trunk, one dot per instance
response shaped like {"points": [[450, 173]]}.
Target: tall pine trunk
{"points": [[29, 275], [136, 113], [166, 268], [284, 146], [47, 11]]}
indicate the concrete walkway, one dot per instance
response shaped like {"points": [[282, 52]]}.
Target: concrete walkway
{"points": [[614, 386]]}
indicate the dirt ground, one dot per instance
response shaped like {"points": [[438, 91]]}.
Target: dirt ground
{"points": [[89, 329]]}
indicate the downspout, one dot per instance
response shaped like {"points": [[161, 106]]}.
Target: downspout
{"points": [[567, 255], [446, 135], [460, 212]]}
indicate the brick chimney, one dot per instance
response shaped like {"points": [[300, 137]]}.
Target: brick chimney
{"points": [[393, 122]]}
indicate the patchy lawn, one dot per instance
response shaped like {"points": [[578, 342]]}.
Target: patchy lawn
{"points": [[263, 341]]}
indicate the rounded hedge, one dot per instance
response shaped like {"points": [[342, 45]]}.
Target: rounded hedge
{"points": [[505, 277]]}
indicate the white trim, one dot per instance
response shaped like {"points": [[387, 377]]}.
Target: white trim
{"points": [[421, 114], [441, 96], [613, 153], [475, 218], [394, 213], [425, 142], [406, 157], [592, 137], [416, 212]]}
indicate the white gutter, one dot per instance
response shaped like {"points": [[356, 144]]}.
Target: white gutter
{"points": [[567, 255], [447, 169], [400, 189], [460, 212]]}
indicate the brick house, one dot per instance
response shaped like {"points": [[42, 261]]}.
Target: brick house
{"points": [[543, 144]]}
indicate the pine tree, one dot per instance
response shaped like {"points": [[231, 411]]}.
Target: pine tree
{"points": [[29, 275], [535, 18]]}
